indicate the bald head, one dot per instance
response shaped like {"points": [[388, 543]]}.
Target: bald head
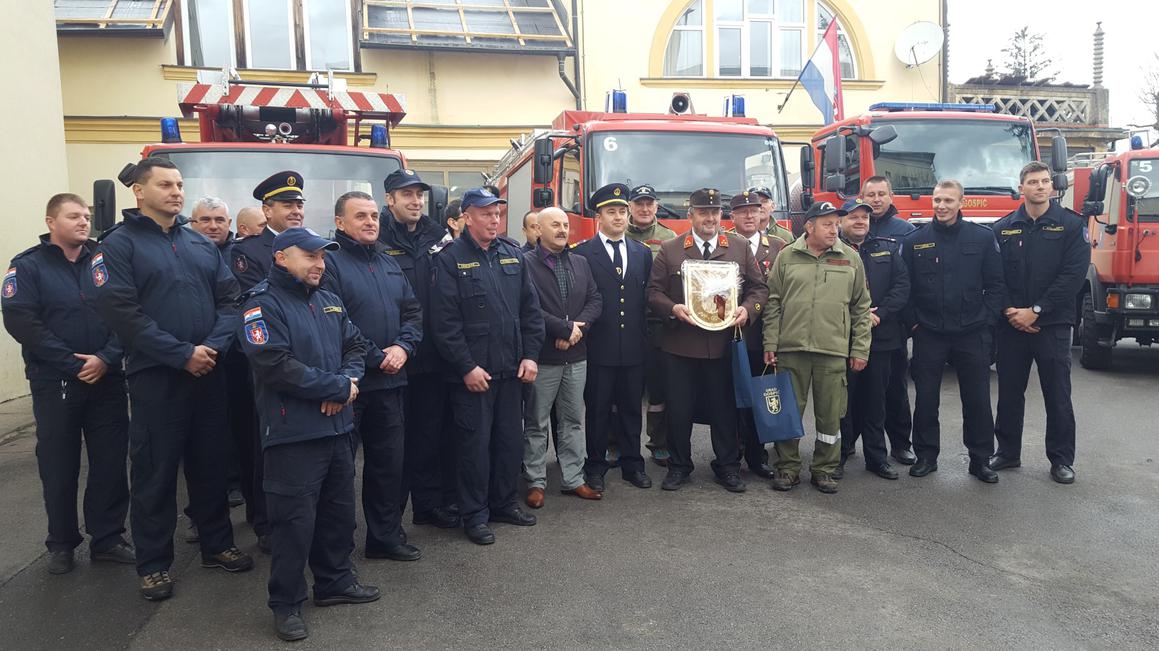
{"points": [[553, 227], [250, 221]]}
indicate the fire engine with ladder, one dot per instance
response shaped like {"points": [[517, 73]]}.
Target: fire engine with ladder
{"points": [[337, 139]]}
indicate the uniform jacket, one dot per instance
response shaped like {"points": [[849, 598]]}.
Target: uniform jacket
{"points": [[1045, 261], [818, 304], [251, 258], [619, 335], [767, 250], [303, 349], [666, 290], [583, 304], [380, 302], [888, 289], [484, 308], [651, 237], [414, 251], [163, 293], [890, 225], [956, 281], [48, 308]]}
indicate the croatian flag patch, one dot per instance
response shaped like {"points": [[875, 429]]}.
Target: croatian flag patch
{"points": [[100, 273], [252, 315]]}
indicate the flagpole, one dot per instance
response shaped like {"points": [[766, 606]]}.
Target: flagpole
{"points": [[796, 83]]}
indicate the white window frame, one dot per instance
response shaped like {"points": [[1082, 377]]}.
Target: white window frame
{"points": [[187, 22], [818, 5], [290, 32], [306, 35], [703, 29]]}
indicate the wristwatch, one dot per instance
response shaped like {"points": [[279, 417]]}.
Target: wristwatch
{"points": [[1037, 309]]}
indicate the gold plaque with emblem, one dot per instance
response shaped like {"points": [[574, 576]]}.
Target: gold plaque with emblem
{"points": [[711, 292]]}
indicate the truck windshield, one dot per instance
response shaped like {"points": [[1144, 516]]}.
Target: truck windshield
{"points": [[984, 155], [231, 175], [676, 163]]}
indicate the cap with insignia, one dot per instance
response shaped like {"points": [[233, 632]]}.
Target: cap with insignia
{"points": [[404, 178], [705, 198], [854, 204], [822, 209], [762, 191], [479, 197], [303, 238], [746, 198], [283, 186], [642, 192], [612, 194]]}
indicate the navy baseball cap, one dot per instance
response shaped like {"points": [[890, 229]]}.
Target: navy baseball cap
{"points": [[822, 209], [479, 197], [854, 204], [303, 238], [404, 178], [642, 192]]}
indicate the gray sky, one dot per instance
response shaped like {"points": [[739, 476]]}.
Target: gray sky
{"points": [[979, 29]]}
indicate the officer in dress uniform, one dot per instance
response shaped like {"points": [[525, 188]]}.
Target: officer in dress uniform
{"points": [[413, 240], [73, 366], [699, 373], [489, 331], [956, 297], [307, 357], [1045, 256], [617, 340], [173, 333]]}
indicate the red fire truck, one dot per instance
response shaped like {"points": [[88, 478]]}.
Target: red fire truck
{"points": [[915, 146], [249, 130], [675, 152], [1120, 299]]}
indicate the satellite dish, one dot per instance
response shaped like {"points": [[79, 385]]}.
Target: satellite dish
{"points": [[919, 43]]}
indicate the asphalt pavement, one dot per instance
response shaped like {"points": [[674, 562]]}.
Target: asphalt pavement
{"points": [[940, 562]]}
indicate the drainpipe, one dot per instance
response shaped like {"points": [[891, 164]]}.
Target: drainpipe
{"points": [[568, 82]]}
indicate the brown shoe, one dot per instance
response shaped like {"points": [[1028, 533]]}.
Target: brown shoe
{"points": [[823, 482], [534, 497], [584, 491]]}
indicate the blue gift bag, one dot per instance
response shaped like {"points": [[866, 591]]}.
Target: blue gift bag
{"points": [[774, 405], [742, 374]]}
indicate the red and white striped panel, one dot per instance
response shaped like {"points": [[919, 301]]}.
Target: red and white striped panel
{"points": [[190, 95]]}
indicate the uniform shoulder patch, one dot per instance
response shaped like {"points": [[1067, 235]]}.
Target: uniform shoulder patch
{"points": [[924, 245], [241, 263], [100, 271], [332, 309], [252, 314], [256, 332], [9, 283]]}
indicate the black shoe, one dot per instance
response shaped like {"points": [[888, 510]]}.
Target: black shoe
{"points": [[264, 544], [839, 474], [291, 627], [731, 482], [761, 470], [480, 534], [230, 560], [885, 472], [674, 480], [191, 535], [60, 561], [399, 552], [639, 479], [355, 594], [999, 462], [904, 457], [595, 482], [984, 472], [515, 516], [121, 552], [235, 498], [1062, 474], [439, 517], [923, 468]]}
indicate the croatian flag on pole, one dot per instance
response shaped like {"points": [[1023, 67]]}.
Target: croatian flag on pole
{"points": [[821, 76]]}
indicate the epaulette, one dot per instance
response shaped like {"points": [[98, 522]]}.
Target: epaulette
{"points": [[441, 244], [111, 229], [31, 249], [260, 288], [508, 240]]}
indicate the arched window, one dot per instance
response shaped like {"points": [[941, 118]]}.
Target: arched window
{"points": [[752, 38]]}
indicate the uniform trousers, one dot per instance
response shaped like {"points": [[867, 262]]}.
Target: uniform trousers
{"points": [[489, 435], [243, 424], [824, 376], [898, 418], [969, 352], [705, 386], [67, 411], [621, 387], [865, 417], [309, 489], [378, 422], [1049, 350], [656, 390], [430, 457], [177, 419]]}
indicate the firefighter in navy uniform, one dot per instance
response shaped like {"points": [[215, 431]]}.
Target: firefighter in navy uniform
{"points": [[383, 306], [166, 293], [889, 287], [73, 366], [1045, 255], [307, 358], [956, 298], [489, 329], [413, 239]]}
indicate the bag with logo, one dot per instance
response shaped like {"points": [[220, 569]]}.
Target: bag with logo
{"points": [[774, 405]]}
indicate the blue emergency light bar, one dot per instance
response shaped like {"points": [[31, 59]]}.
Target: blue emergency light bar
{"points": [[734, 106], [616, 101], [379, 138], [1136, 141], [170, 131], [894, 107]]}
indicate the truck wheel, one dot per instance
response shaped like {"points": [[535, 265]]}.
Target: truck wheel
{"points": [[1094, 355]]}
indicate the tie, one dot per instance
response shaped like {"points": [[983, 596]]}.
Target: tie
{"points": [[617, 259], [707, 251], [561, 277]]}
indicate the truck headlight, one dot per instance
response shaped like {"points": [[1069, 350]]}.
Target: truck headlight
{"points": [[1137, 301]]}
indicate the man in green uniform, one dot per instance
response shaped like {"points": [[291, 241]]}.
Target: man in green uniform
{"points": [[646, 229], [817, 320]]}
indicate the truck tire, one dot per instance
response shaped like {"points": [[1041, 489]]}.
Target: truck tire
{"points": [[1094, 356]]}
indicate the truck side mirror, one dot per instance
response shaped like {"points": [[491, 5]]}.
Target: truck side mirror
{"points": [[104, 205], [542, 198], [1092, 208], [1058, 156], [437, 204], [834, 157], [808, 167], [834, 182], [544, 161], [1097, 188], [1059, 182], [883, 134]]}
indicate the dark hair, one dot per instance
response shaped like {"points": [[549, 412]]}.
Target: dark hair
{"points": [[59, 200], [492, 189], [1033, 167], [454, 209], [877, 179], [340, 205], [144, 168], [527, 214]]}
